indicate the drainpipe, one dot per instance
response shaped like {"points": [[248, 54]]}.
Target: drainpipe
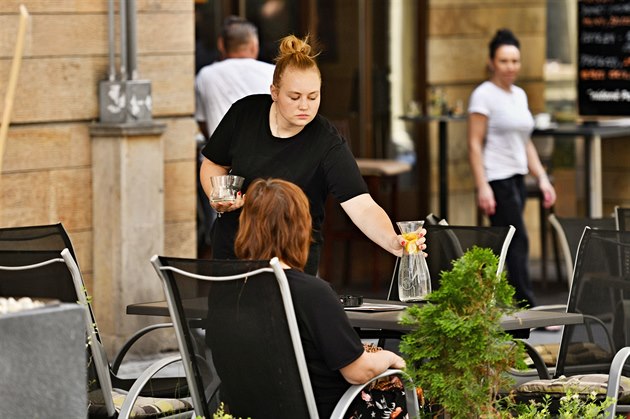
{"points": [[132, 69], [123, 39], [110, 40]]}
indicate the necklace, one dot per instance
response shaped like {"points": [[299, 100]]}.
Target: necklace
{"points": [[276, 119]]}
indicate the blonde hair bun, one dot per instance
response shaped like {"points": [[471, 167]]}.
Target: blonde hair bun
{"points": [[291, 44], [297, 53]]}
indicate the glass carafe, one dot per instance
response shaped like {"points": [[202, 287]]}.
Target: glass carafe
{"points": [[414, 282]]}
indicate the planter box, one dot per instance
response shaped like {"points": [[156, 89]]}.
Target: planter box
{"points": [[43, 370]]}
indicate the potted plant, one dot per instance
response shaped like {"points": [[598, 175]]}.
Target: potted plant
{"points": [[458, 353]]}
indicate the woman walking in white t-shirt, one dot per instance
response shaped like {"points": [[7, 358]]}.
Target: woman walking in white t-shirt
{"points": [[501, 153]]}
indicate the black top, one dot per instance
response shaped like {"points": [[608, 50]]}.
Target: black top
{"points": [[317, 159], [329, 341]]}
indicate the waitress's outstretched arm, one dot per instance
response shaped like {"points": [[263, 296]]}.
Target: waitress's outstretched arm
{"points": [[374, 222]]}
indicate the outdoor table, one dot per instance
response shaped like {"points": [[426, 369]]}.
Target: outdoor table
{"points": [[517, 324], [593, 135]]}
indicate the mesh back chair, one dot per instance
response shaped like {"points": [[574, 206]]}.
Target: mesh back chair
{"points": [[32, 245], [445, 243], [18, 245], [600, 291], [622, 217], [58, 271], [251, 343], [569, 231]]}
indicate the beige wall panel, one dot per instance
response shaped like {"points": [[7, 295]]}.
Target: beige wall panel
{"points": [[166, 32], [61, 89], [180, 192], [179, 139], [86, 34], [470, 19], [19, 207], [180, 239], [36, 147], [46, 197], [91, 6], [172, 82], [53, 35], [71, 200], [464, 59], [56, 89]]}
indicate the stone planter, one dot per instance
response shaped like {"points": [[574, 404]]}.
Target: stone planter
{"points": [[43, 370]]}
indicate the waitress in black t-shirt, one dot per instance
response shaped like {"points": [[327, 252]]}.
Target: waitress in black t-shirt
{"points": [[282, 136]]}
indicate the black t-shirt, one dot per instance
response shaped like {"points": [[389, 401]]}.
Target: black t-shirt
{"points": [[317, 159], [329, 341]]}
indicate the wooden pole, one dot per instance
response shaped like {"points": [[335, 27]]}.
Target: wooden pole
{"points": [[13, 76]]}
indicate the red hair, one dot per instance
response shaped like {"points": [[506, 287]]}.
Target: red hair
{"points": [[275, 221]]}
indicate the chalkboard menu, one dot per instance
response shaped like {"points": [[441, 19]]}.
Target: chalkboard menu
{"points": [[604, 57]]}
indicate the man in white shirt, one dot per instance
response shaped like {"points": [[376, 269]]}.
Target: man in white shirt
{"points": [[239, 74]]}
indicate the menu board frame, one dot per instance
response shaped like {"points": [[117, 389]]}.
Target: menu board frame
{"points": [[603, 78]]}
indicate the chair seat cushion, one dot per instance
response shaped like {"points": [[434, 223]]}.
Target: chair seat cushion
{"points": [[548, 352], [145, 407], [580, 384]]}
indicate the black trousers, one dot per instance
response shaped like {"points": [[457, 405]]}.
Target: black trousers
{"points": [[510, 196]]}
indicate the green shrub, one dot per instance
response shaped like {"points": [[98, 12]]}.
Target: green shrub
{"points": [[458, 352]]}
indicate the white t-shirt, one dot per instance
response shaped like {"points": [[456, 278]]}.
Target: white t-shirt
{"points": [[220, 84], [510, 124]]}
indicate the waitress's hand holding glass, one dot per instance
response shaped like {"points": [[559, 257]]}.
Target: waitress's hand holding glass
{"points": [[226, 193], [414, 282]]}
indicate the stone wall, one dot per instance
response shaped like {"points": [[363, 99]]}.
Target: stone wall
{"points": [[47, 172]]}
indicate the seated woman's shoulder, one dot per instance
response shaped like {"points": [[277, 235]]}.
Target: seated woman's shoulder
{"points": [[307, 281]]}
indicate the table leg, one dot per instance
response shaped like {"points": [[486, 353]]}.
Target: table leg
{"points": [[443, 168], [593, 181]]}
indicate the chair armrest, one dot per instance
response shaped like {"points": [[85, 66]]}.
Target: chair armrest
{"points": [[614, 377], [141, 381], [410, 391], [539, 364], [551, 307], [118, 359]]}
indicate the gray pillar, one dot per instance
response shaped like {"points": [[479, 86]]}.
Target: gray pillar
{"points": [[128, 225]]}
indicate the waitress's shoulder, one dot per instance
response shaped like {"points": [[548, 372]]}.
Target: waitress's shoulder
{"points": [[330, 130], [253, 100]]}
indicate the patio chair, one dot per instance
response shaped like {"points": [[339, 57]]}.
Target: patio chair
{"points": [[622, 218], [53, 237], [253, 347], [569, 231], [38, 274], [445, 243], [592, 355]]}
